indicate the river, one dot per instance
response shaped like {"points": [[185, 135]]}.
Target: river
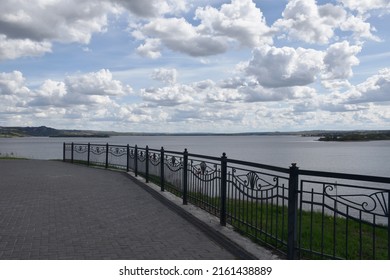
{"points": [[368, 158]]}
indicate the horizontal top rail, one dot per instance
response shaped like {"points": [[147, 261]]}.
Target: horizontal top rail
{"points": [[205, 157], [355, 177], [259, 165]]}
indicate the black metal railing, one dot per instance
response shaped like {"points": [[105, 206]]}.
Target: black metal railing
{"points": [[300, 213]]}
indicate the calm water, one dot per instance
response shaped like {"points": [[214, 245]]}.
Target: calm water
{"points": [[369, 158]]}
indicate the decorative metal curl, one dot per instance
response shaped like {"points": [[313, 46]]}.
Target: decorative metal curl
{"points": [[375, 203], [132, 153], [98, 150], [154, 159], [173, 163], [141, 155], [80, 148], [117, 151], [252, 180], [203, 169]]}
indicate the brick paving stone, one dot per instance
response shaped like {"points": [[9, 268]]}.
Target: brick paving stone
{"points": [[56, 210]]}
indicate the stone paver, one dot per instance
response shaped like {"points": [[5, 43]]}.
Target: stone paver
{"points": [[56, 210]]}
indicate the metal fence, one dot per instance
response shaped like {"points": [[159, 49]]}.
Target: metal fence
{"points": [[300, 213]]}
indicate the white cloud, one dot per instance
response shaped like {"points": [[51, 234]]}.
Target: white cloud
{"points": [[339, 59], [15, 48], [302, 20], [13, 84], [285, 67], [165, 75], [154, 8], [239, 20], [179, 35], [96, 83], [306, 21], [169, 96], [365, 6], [27, 27], [375, 89], [151, 48]]}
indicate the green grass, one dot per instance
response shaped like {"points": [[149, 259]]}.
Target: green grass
{"points": [[10, 156], [322, 234]]}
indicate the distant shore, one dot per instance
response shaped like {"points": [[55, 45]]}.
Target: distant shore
{"points": [[322, 135], [353, 137]]}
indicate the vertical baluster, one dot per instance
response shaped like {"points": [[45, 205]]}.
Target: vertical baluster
{"points": [[162, 163], [360, 235], [185, 171], [136, 161], [63, 152], [346, 232], [292, 211], [107, 155], [72, 153], [147, 164], [223, 189], [88, 155], [127, 158], [334, 227], [388, 225]]}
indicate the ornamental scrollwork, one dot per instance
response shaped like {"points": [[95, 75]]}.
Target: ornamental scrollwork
{"points": [[173, 163], [80, 148], [154, 159], [98, 150], [375, 203], [141, 156], [117, 151], [132, 153], [253, 181], [203, 168]]}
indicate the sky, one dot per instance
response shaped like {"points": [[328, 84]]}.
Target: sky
{"points": [[195, 65]]}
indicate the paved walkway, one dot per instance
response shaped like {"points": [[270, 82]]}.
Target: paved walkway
{"points": [[56, 210]]}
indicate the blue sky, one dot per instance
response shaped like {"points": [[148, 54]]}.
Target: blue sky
{"points": [[195, 66]]}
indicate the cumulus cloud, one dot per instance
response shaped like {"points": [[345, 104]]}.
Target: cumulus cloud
{"points": [[365, 6], [151, 48], [339, 59], [27, 28], [85, 89], [179, 35], [240, 20], [153, 8], [14, 48], [169, 96], [96, 83], [285, 67], [306, 21], [375, 89], [165, 75], [13, 84]]}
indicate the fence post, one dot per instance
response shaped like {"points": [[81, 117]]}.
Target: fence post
{"points": [[388, 225], [127, 157], [162, 179], [185, 176], [136, 161], [222, 218], [71, 158], [107, 155], [292, 211], [63, 152], [89, 150], [147, 165]]}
